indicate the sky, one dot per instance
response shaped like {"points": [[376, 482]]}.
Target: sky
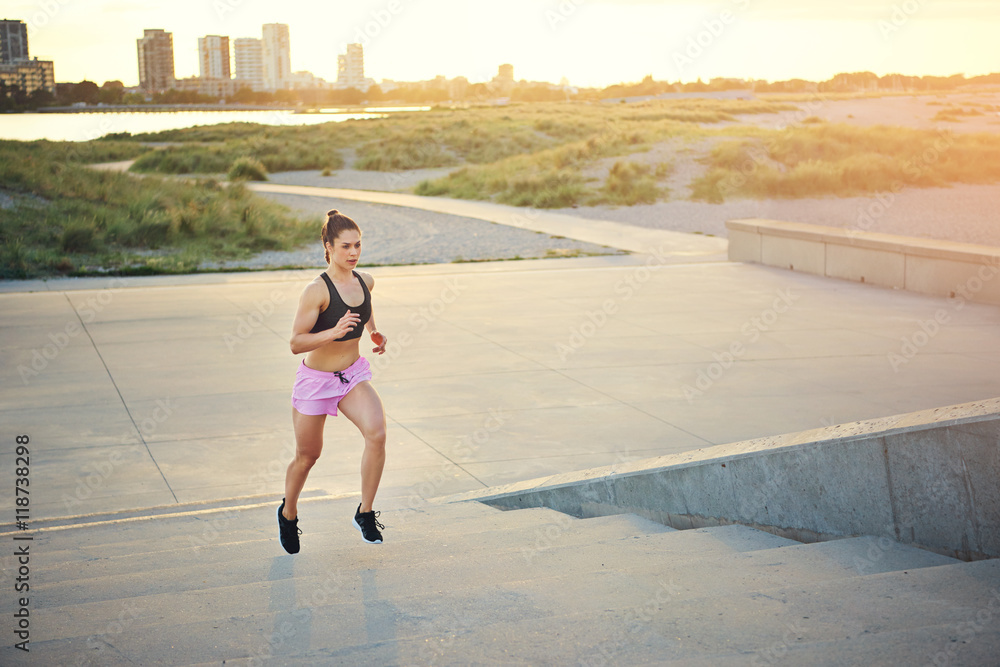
{"points": [[591, 43]]}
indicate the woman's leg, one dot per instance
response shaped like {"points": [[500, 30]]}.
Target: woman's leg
{"points": [[363, 406], [308, 445]]}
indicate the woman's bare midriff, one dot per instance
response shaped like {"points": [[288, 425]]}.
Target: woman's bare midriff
{"points": [[334, 356]]}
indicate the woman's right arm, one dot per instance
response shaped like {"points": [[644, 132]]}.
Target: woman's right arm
{"points": [[310, 306]]}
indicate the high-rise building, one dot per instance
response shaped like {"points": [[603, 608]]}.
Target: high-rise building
{"points": [[213, 57], [156, 60], [16, 68], [13, 41], [503, 82], [351, 67], [277, 56], [249, 54]]}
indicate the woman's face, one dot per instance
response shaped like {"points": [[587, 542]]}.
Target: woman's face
{"points": [[345, 251]]}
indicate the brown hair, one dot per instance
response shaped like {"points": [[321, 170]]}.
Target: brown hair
{"points": [[336, 222]]}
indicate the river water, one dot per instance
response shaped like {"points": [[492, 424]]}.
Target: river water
{"points": [[88, 126]]}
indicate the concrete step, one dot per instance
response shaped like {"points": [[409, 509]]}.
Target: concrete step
{"points": [[508, 625], [128, 575], [953, 644], [523, 532], [458, 582], [597, 545], [239, 525]]}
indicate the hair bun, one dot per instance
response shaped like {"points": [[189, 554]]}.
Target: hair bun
{"points": [[332, 212]]}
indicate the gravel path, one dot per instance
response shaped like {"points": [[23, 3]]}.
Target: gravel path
{"points": [[353, 179], [963, 213], [397, 235]]}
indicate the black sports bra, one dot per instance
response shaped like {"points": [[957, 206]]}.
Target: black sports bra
{"points": [[337, 309]]}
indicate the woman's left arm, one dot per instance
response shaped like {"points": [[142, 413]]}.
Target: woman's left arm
{"points": [[378, 338]]}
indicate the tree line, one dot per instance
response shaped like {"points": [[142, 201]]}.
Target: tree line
{"points": [[12, 98]]}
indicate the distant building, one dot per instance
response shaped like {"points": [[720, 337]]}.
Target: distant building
{"points": [[503, 82], [13, 41], [156, 60], [220, 88], [213, 57], [277, 56], [351, 68], [29, 75], [249, 55], [16, 68], [308, 81]]}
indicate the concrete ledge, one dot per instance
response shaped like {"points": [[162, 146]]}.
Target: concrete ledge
{"points": [[926, 478], [941, 268]]}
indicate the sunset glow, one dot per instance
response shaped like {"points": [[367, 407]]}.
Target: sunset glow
{"points": [[590, 42]]}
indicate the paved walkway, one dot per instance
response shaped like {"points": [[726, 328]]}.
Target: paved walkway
{"points": [[164, 390], [601, 232]]}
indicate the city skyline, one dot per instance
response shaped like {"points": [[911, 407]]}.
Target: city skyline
{"points": [[591, 43]]}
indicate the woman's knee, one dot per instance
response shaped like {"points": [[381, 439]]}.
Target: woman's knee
{"points": [[375, 436], [306, 459]]}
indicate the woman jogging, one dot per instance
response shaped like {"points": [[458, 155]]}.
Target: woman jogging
{"points": [[333, 311]]}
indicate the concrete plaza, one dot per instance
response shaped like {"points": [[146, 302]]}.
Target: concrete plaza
{"points": [[159, 391]]}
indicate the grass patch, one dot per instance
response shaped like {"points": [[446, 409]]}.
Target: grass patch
{"points": [[247, 169], [630, 183], [401, 152], [550, 178], [70, 219], [842, 160], [275, 153], [955, 114]]}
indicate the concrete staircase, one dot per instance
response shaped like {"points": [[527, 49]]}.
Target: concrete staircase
{"points": [[469, 584]]}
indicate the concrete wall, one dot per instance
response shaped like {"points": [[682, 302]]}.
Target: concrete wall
{"points": [[941, 268], [928, 478]]}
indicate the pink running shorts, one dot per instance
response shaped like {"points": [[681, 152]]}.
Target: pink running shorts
{"points": [[319, 392]]}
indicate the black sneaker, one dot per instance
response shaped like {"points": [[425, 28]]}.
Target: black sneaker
{"points": [[367, 523], [288, 531]]}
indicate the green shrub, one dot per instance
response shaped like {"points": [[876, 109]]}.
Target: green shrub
{"points": [[77, 237], [843, 160], [630, 183], [70, 218], [247, 169]]}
